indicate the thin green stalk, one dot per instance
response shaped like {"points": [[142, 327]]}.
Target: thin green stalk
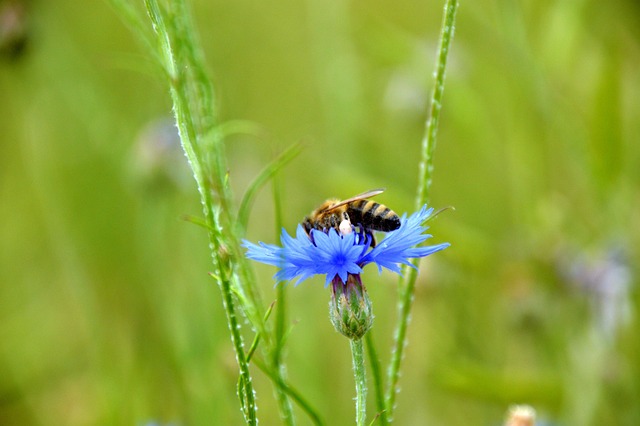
{"points": [[268, 173], [192, 100], [281, 307], [431, 128], [286, 411], [256, 339], [376, 373], [134, 20], [408, 279], [357, 352], [292, 392]]}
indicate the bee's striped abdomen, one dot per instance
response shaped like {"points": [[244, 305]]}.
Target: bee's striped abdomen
{"points": [[372, 215]]}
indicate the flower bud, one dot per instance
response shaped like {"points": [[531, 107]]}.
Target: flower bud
{"points": [[350, 308]]}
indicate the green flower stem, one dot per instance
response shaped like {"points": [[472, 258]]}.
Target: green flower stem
{"points": [[377, 379], [408, 279], [357, 352], [431, 128], [296, 396], [286, 410], [192, 95]]}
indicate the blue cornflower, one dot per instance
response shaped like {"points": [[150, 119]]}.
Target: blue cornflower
{"points": [[338, 256]]}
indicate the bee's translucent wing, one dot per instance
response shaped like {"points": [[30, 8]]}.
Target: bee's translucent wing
{"points": [[363, 196]]}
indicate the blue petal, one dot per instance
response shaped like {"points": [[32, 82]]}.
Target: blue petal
{"points": [[265, 253], [399, 246], [332, 254], [337, 255]]}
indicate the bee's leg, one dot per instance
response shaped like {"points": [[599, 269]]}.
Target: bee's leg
{"points": [[373, 239], [307, 226], [333, 223]]}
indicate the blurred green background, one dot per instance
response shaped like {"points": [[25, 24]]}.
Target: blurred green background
{"points": [[108, 317]]}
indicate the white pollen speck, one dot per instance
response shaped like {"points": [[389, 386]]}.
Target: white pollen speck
{"points": [[345, 227]]}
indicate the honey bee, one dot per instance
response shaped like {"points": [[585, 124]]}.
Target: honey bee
{"points": [[356, 211]]}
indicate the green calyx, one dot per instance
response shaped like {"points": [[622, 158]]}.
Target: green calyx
{"points": [[350, 308]]}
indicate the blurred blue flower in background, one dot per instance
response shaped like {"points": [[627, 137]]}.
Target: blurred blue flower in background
{"points": [[605, 277]]}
